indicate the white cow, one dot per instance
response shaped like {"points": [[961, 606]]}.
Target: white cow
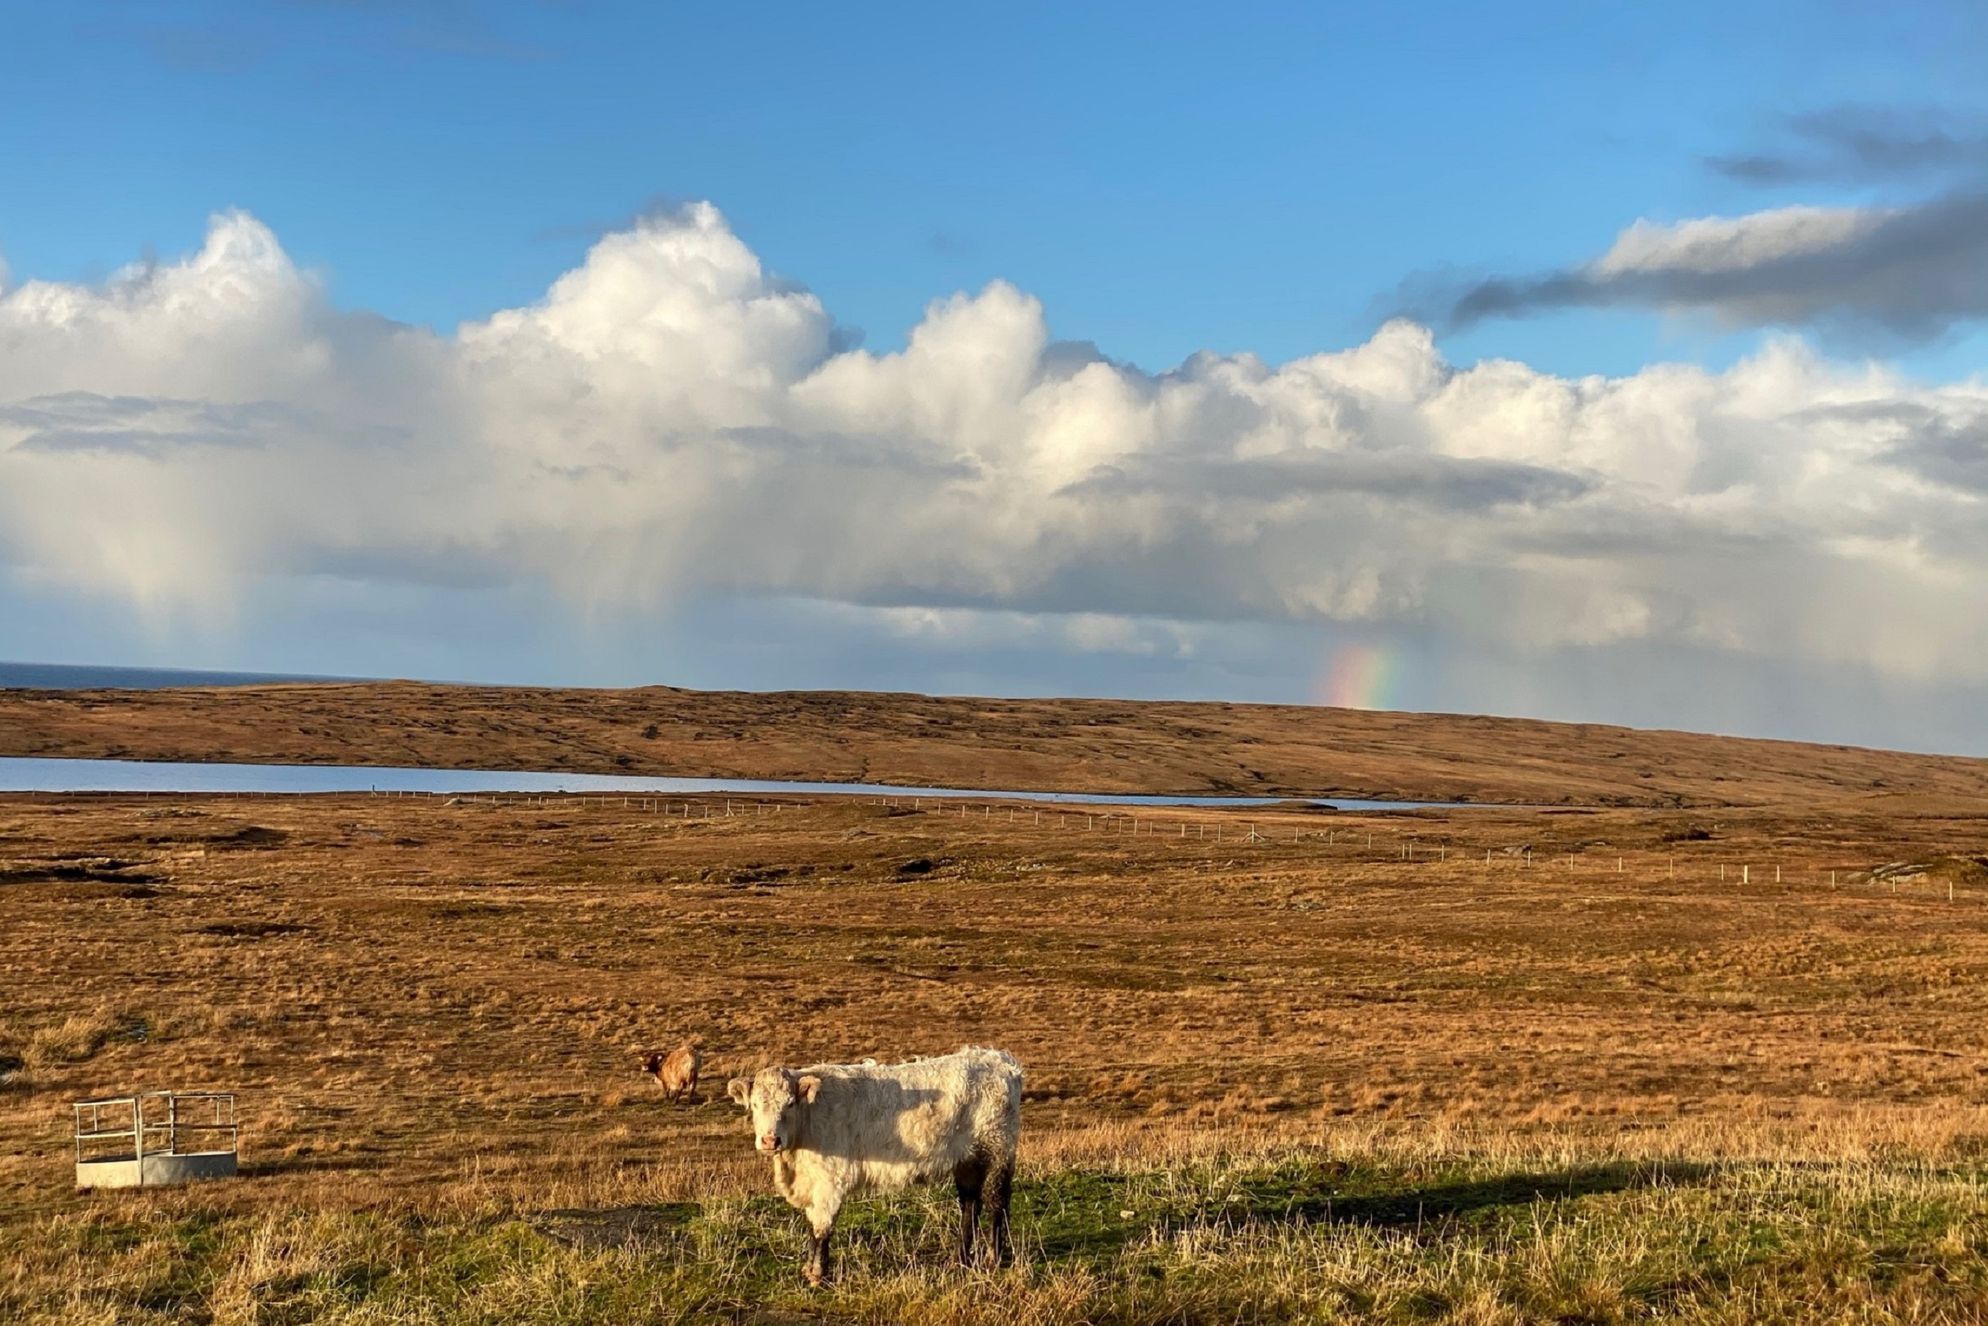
{"points": [[837, 1129]]}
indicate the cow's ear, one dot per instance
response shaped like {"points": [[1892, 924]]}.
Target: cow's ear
{"points": [[808, 1087], [739, 1090]]}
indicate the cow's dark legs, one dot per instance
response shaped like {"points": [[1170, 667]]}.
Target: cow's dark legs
{"points": [[995, 1192], [969, 1178], [817, 1267], [821, 1224]]}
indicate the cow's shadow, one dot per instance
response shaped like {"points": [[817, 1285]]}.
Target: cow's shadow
{"points": [[593, 1228], [1445, 1201], [1330, 1194], [1087, 1216]]}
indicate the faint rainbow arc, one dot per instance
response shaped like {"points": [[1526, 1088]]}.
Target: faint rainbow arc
{"points": [[1359, 677]]}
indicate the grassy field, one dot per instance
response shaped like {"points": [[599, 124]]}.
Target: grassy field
{"points": [[1481, 1066], [937, 741], [1345, 1232]]}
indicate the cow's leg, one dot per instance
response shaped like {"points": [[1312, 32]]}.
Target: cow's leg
{"points": [[969, 1177], [995, 1192], [818, 1266], [821, 1224]]}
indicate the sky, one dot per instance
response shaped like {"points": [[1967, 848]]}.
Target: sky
{"points": [[1593, 362]]}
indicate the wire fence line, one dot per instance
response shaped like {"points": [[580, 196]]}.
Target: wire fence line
{"points": [[1188, 823]]}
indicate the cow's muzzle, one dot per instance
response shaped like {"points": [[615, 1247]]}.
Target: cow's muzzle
{"points": [[769, 1144]]}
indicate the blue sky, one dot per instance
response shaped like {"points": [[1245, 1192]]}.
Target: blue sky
{"points": [[1166, 180]]}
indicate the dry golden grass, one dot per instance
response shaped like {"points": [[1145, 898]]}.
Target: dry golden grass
{"points": [[430, 1011], [1084, 746], [406, 988]]}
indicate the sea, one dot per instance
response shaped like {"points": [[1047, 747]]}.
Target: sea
{"points": [[79, 677]]}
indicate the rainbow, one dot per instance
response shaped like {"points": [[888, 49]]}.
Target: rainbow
{"points": [[1358, 677]]}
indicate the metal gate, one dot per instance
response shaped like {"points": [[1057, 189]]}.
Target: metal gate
{"points": [[156, 1138]]}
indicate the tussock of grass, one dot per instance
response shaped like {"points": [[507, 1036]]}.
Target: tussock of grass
{"points": [[74, 1039], [1386, 1235]]}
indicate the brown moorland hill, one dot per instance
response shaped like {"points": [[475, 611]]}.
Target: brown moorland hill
{"points": [[1074, 745], [1462, 1066]]}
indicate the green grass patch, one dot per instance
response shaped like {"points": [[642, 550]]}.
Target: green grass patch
{"points": [[1298, 1238]]}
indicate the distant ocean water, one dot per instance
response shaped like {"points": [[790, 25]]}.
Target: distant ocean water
{"points": [[74, 677]]}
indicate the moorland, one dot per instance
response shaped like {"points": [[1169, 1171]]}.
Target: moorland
{"points": [[1069, 745], [1578, 1063]]}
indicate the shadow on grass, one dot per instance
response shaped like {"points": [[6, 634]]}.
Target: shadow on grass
{"points": [[592, 1228], [275, 1169], [1084, 1224], [1449, 1201], [1087, 1216]]}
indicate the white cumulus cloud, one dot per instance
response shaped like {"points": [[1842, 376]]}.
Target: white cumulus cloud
{"points": [[671, 420]]}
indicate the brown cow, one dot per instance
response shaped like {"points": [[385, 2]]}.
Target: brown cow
{"points": [[675, 1070]]}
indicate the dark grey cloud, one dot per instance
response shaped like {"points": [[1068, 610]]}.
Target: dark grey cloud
{"points": [[1951, 453], [1860, 144], [1903, 272], [1908, 273]]}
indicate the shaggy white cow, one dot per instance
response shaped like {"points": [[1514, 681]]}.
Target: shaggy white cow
{"points": [[837, 1129]]}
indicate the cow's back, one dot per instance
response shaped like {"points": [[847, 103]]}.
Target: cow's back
{"points": [[887, 1125]]}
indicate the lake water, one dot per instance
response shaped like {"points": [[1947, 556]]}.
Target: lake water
{"points": [[18, 774]]}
